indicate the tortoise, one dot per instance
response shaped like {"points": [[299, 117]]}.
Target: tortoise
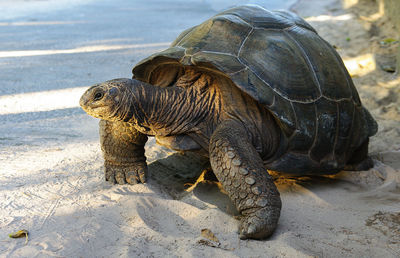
{"points": [[254, 90]]}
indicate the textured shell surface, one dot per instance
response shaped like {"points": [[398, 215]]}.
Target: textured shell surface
{"points": [[279, 60]]}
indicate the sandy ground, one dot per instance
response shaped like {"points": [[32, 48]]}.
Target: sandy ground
{"points": [[51, 180]]}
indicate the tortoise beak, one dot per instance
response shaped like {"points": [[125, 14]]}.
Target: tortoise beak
{"points": [[85, 99], [92, 106]]}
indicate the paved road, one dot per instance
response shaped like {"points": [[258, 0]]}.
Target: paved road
{"points": [[51, 50], [87, 33]]}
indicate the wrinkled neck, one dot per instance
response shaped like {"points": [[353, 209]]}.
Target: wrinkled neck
{"points": [[167, 111]]}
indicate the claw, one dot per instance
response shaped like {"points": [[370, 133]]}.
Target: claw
{"points": [[251, 230], [142, 174], [111, 179], [260, 224], [131, 177], [243, 236], [132, 174], [120, 179]]}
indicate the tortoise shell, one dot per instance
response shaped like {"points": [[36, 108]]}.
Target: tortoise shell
{"points": [[279, 60]]}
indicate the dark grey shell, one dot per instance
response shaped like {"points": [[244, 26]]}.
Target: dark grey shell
{"points": [[278, 59]]}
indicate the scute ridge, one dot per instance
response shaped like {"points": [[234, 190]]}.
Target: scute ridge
{"points": [[280, 61], [308, 61], [244, 41]]}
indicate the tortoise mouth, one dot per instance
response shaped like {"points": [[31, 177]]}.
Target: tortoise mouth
{"points": [[93, 109], [98, 111]]}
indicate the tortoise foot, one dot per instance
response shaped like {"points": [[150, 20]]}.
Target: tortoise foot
{"points": [[131, 174], [259, 223]]}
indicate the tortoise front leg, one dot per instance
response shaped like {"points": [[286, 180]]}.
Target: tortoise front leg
{"points": [[123, 151], [240, 170]]}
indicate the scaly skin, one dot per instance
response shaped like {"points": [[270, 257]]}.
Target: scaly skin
{"points": [[240, 170], [130, 109], [123, 151]]}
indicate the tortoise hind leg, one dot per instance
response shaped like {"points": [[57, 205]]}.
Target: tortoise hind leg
{"points": [[240, 169], [360, 160]]}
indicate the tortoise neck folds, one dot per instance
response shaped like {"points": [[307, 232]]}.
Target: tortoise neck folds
{"points": [[167, 111]]}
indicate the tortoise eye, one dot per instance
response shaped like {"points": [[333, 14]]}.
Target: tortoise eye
{"points": [[98, 96]]}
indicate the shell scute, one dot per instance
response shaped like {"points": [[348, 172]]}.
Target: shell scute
{"points": [[306, 126], [260, 17], [296, 19], [224, 33], [281, 65], [326, 130], [249, 84], [346, 113], [285, 115], [223, 62], [324, 66]]}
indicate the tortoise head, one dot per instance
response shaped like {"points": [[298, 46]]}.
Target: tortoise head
{"points": [[104, 100]]}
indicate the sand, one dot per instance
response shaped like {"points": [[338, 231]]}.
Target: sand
{"points": [[51, 181]]}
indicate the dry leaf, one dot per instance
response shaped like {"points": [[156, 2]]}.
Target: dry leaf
{"points": [[214, 244], [388, 41], [206, 233], [20, 233], [208, 243]]}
